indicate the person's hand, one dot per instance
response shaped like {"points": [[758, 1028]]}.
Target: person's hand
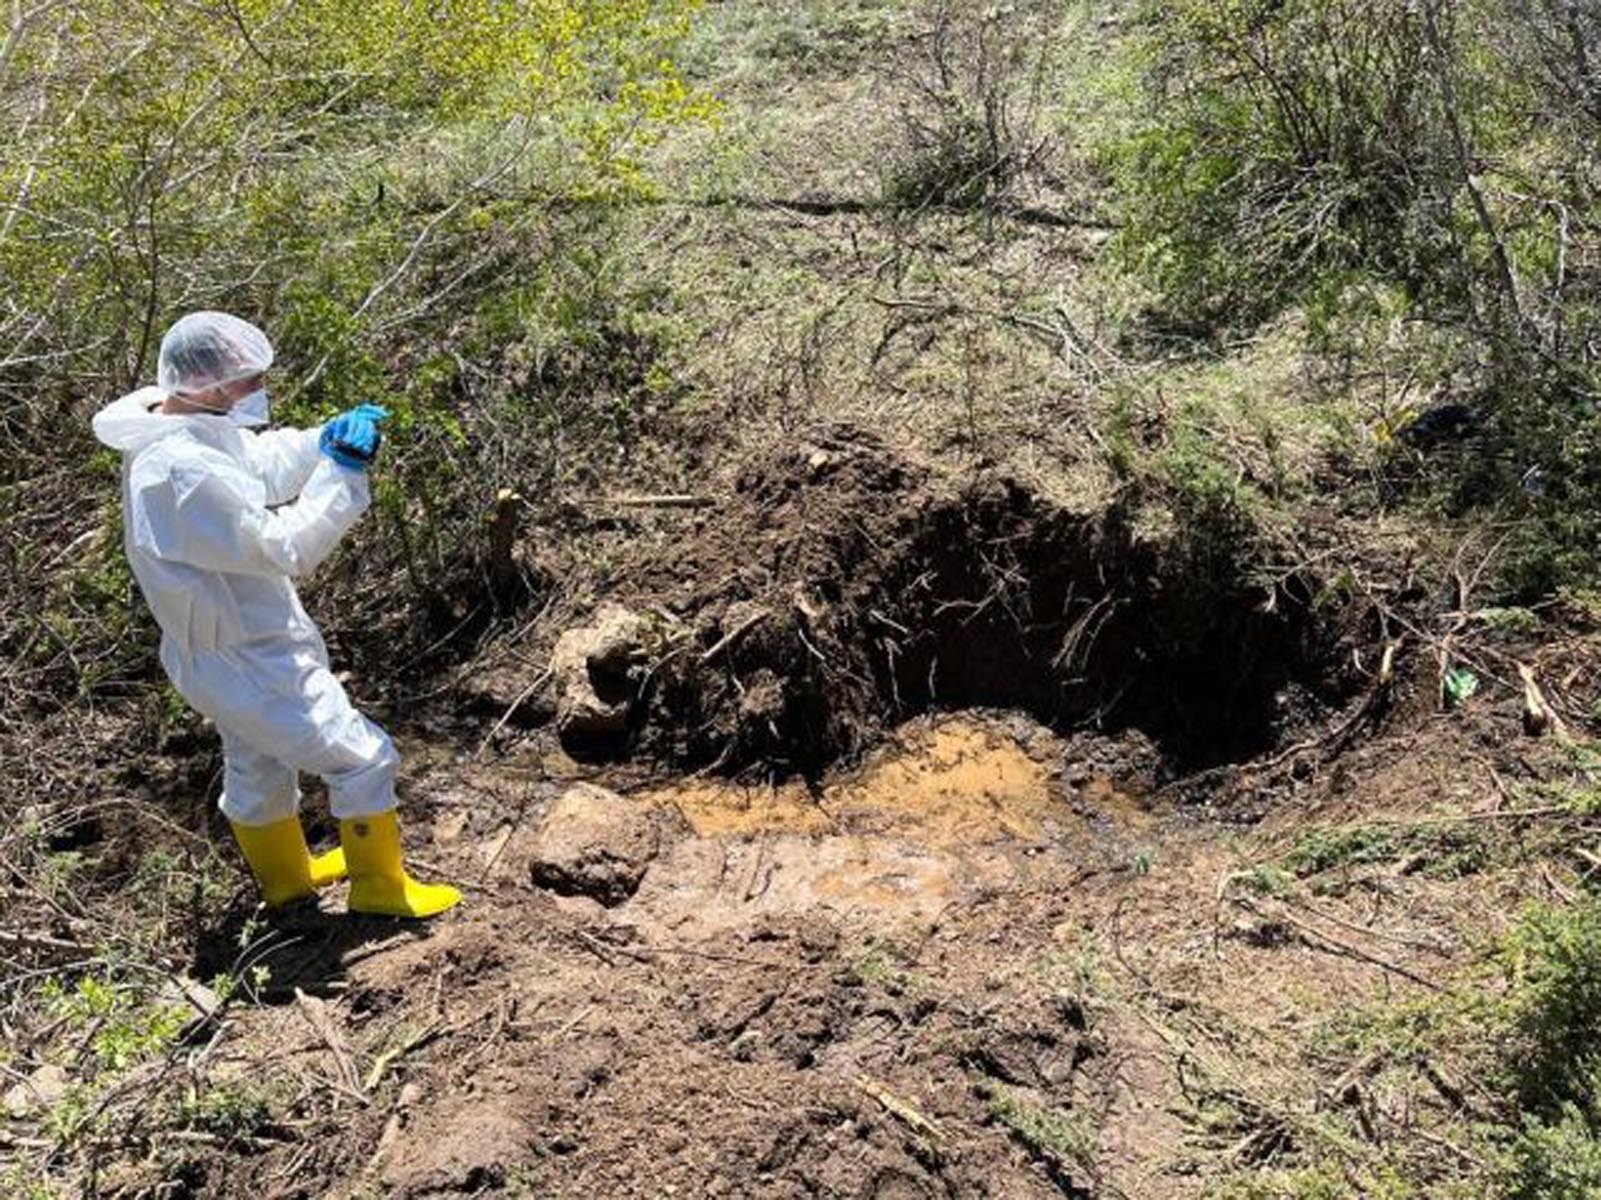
{"points": [[352, 438]]}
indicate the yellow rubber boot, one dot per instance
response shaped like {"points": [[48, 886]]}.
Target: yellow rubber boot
{"points": [[328, 866], [281, 863], [378, 881]]}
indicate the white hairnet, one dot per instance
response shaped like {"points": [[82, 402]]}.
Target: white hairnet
{"points": [[207, 348]]}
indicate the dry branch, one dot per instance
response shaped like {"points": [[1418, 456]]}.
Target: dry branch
{"points": [[733, 636], [1538, 715], [316, 1014], [1313, 935], [663, 501], [417, 1040], [901, 1109], [523, 695]]}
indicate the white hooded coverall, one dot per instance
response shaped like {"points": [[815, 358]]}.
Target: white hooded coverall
{"points": [[214, 558]]}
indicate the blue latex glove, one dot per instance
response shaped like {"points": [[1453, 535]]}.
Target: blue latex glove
{"points": [[352, 438]]}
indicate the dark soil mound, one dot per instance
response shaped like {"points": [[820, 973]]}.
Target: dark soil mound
{"points": [[847, 587]]}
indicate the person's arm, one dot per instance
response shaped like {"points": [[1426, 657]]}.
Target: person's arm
{"points": [[197, 513], [283, 459]]}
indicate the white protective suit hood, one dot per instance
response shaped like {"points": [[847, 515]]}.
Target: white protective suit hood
{"points": [[131, 422], [135, 420]]}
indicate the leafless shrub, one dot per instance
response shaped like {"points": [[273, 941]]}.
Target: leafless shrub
{"points": [[969, 90]]}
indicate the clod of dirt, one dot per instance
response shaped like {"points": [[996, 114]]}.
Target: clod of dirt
{"points": [[596, 672], [1036, 1056], [463, 1153], [596, 843], [898, 1185]]}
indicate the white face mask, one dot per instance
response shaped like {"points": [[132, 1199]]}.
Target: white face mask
{"points": [[251, 409], [248, 410]]}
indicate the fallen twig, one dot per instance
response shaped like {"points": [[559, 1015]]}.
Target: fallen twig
{"points": [[1340, 947], [733, 635], [40, 941], [528, 691], [317, 1017], [667, 501], [901, 1110], [595, 946], [1412, 943], [380, 1064], [1538, 715], [1492, 814], [409, 1095]]}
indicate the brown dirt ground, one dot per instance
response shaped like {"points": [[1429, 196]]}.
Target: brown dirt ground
{"points": [[852, 990], [995, 951]]}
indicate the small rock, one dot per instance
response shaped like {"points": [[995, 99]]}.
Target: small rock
{"points": [[38, 1092], [471, 1150], [595, 843], [595, 669], [193, 997], [449, 827]]}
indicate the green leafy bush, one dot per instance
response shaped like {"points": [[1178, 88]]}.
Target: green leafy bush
{"points": [[1294, 140], [1548, 1036], [372, 184], [1446, 851], [1553, 960], [1555, 1158], [1439, 156]]}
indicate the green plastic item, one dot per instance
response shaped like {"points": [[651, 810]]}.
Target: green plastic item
{"points": [[1460, 683]]}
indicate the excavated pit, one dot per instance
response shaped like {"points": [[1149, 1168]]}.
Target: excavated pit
{"points": [[846, 588]]}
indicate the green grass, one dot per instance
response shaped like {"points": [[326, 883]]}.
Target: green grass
{"points": [[1441, 851], [242, 1109], [886, 964], [1309, 1183], [1064, 1137], [1519, 1032]]}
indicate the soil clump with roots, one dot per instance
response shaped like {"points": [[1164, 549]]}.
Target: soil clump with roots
{"points": [[844, 587]]}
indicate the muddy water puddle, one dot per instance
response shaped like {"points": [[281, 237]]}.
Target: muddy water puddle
{"points": [[949, 812], [949, 784]]}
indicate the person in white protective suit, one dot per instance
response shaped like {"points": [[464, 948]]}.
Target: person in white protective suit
{"points": [[218, 519]]}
